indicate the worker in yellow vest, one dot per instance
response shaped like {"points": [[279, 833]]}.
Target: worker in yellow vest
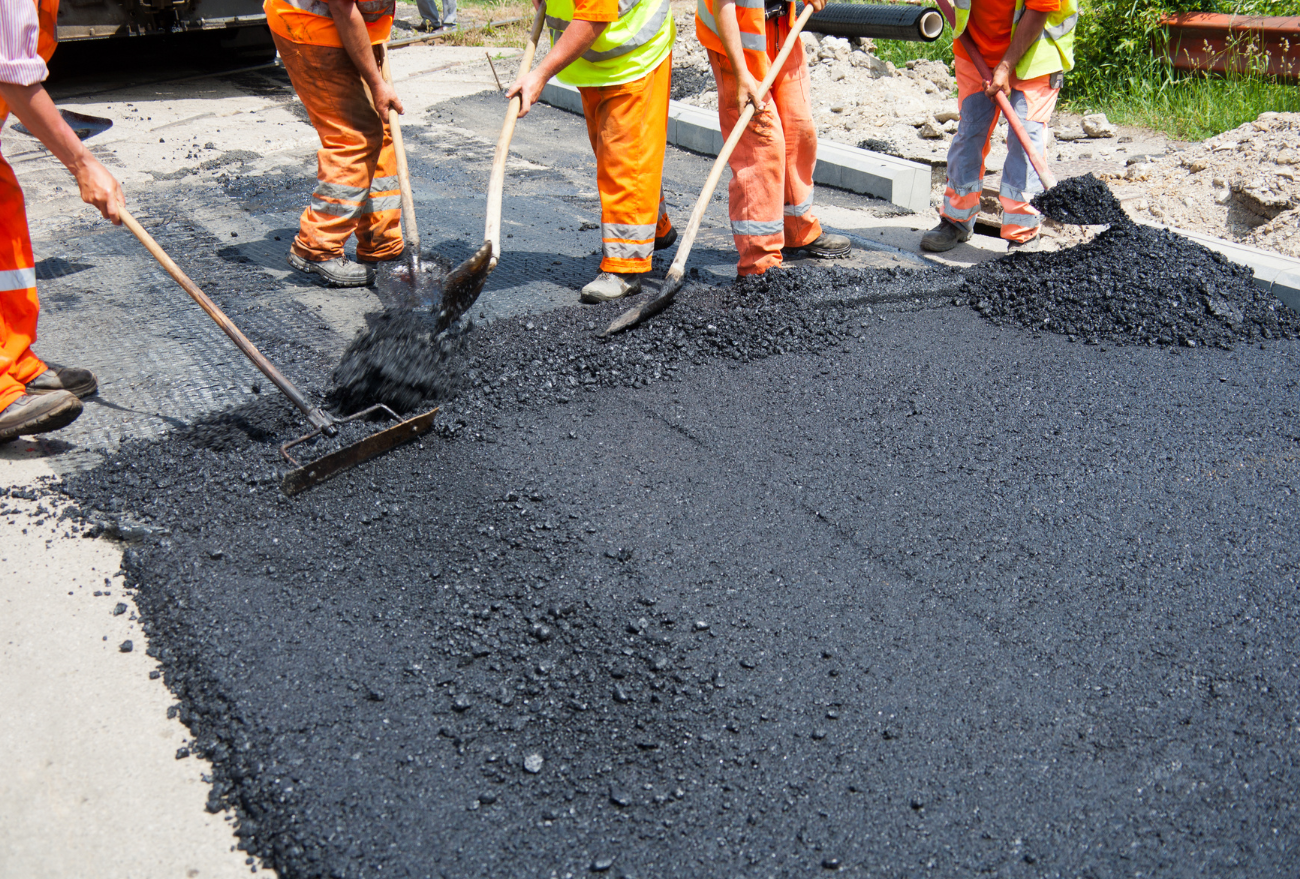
{"points": [[333, 51], [619, 55], [1028, 46], [771, 188]]}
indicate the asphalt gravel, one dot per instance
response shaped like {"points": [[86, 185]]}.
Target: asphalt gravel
{"points": [[1082, 201], [1131, 284], [812, 573]]}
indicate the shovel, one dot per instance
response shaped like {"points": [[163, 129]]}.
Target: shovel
{"points": [[411, 232], [461, 288], [673, 282], [302, 476]]}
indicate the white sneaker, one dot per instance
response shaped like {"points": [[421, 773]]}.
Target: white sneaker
{"points": [[609, 286]]}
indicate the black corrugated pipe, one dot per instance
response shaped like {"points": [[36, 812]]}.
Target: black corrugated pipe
{"points": [[919, 24]]}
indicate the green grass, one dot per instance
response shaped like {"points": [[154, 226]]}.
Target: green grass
{"points": [[1117, 74]]}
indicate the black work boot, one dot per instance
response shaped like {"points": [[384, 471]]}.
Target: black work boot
{"points": [[38, 414], [825, 246], [64, 378], [665, 241], [944, 236]]}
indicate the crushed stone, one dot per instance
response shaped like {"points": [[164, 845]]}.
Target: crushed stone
{"points": [[1083, 200], [1132, 284]]}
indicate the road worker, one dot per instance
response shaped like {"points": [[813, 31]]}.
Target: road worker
{"points": [[36, 397], [619, 55], [1028, 46], [771, 190], [333, 52]]}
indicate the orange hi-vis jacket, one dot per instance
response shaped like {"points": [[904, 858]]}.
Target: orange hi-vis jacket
{"points": [[310, 22], [750, 15]]}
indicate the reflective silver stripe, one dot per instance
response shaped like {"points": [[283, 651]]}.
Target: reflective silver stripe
{"points": [[384, 184], [640, 38], [962, 4], [626, 6], [750, 4], [374, 10], [556, 24], [1028, 221], [966, 188], [622, 250], [627, 232], [798, 210], [315, 7], [335, 209], [383, 203], [957, 214], [757, 227], [1063, 28], [752, 42], [17, 279], [334, 190]]}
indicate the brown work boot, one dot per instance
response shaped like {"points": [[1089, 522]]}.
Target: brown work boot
{"points": [[38, 414], [609, 286], [827, 245], [337, 272], [64, 378], [945, 236]]}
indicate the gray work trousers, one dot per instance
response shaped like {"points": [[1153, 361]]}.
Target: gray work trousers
{"points": [[429, 12]]}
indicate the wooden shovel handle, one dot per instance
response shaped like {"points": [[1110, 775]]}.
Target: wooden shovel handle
{"points": [[315, 414], [403, 171], [497, 182]]}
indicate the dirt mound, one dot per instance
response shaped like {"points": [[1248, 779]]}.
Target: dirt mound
{"points": [[1132, 284]]}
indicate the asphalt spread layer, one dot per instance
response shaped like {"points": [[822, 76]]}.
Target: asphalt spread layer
{"points": [[1083, 201], [810, 572], [1131, 284]]}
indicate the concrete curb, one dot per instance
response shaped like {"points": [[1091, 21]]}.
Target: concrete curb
{"points": [[904, 183]]}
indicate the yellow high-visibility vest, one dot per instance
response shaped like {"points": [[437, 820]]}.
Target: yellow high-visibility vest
{"points": [[1052, 51], [626, 50]]}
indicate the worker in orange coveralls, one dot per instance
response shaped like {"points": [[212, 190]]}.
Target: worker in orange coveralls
{"points": [[1028, 46], [34, 397], [619, 55], [333, 50], [771, 186]]}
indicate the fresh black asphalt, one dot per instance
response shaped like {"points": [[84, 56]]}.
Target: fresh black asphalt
{"points": [[823, 574]]}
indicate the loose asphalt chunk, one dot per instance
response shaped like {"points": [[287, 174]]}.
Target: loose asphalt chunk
{"points": [[812, 572]]}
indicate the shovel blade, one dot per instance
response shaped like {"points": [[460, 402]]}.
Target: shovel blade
{"points": [[316, 472], [460, 289], [646, 310]]}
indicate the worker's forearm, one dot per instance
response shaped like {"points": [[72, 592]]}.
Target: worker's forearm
{"points": [[34, 108], [577, 38], [355, 39], [729, 35], [1027, 33]]}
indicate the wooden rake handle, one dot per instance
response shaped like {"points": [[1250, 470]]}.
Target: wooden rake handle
{"points": [[1013, 120], [403, 170], [678, 267], [315, 414], [497, 182]]}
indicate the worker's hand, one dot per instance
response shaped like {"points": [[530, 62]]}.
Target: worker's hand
{"points": [[99, 187], [1001, 81], [817, 5], [747, 91], [528, 88], [385, 98]]}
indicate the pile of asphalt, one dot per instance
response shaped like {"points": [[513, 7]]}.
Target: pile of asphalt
{"points": [[1135, 285], [399, 361], [754, 589], [1081, 201]]}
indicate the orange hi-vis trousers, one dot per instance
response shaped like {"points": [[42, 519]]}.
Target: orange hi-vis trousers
{"points": [[1034, 100], [357, 192], [19, 307], [771, 186], [628, 127]]}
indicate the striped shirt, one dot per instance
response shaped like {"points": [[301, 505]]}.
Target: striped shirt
{"points": [[19, 31]]}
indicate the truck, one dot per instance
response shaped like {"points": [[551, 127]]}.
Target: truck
{"points": [[242, 21]]}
